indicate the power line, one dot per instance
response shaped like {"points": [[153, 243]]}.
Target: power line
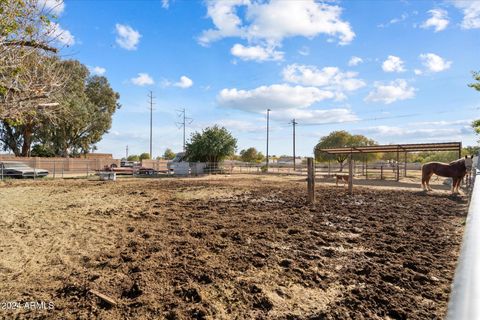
{"points": [[410, 115], [183, 124]]}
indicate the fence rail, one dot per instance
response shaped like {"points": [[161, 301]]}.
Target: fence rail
{"points": [[464, 301]]}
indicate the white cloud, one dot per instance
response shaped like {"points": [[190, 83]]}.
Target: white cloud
{"points": [[279, 19], [225, 19], [403, 17], [471, 13], [304, 51], [438, 20], [257, 53], [61, 35], [241, 125], [355, 61], [143, 79], [393, 64], [184, 82], [329, 78], [391, 92], [266, 24], [434, 63], [418, 72], [55, 7], [165, 4], [278, 96], [97, 70], [127, 37], [442, 123]]}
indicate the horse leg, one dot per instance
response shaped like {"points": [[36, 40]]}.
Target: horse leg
{"points": [[424, 187], [427, 181], [459, 182], [424, 183], [455, 184]]}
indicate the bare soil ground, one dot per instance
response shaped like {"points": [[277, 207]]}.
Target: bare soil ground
{"points": [[238, 247]]}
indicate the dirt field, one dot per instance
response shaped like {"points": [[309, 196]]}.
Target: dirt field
{"points": [[240, 247]]}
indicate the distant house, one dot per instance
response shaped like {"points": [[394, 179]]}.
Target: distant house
{"points": [[289, 160]]}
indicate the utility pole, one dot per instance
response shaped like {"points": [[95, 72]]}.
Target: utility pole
{"points": [[268, 129], [293, 124], [151, 121], [126, 152], [183, 124]]}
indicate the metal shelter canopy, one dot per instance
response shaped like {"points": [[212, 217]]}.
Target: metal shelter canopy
{"points": [[412, 147]]}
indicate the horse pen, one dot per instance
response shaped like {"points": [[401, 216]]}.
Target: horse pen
{"points": [[239, 246]]}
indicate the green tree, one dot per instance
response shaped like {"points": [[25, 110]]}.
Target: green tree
{"points": [[41, 151], [211, 145], [25, 37], [169, 154], [87, 107], [470, 150], [251, 155], [133, 157], [145, 156], [476, 86], [340, 139]]}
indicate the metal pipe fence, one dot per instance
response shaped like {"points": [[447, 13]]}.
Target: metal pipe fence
{"points": [[74, 167], [464, 303]]}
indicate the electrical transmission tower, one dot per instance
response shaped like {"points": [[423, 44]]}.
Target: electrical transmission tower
{"points": [[150, 95], [182, 114], [294, 123]]}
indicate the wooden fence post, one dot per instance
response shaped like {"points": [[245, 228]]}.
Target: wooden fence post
{"points": [[350, 174], [311, 181], [398, 166]]}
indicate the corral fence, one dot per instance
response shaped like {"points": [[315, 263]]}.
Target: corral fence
{"points": [[376, 170], [464, 301], [79, 167]]}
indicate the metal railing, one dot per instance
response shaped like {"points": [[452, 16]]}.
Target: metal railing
{"points": [[464, 301]]}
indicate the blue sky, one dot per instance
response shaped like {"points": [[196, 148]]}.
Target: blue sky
{"points": [[396, 72]]}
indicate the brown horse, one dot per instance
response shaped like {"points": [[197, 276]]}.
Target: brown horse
{"points": [[455, 170]]}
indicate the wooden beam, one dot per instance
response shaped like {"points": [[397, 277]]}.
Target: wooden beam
{"points": [[350, 174], [398, 166], [311, 181], [105, 298]]}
